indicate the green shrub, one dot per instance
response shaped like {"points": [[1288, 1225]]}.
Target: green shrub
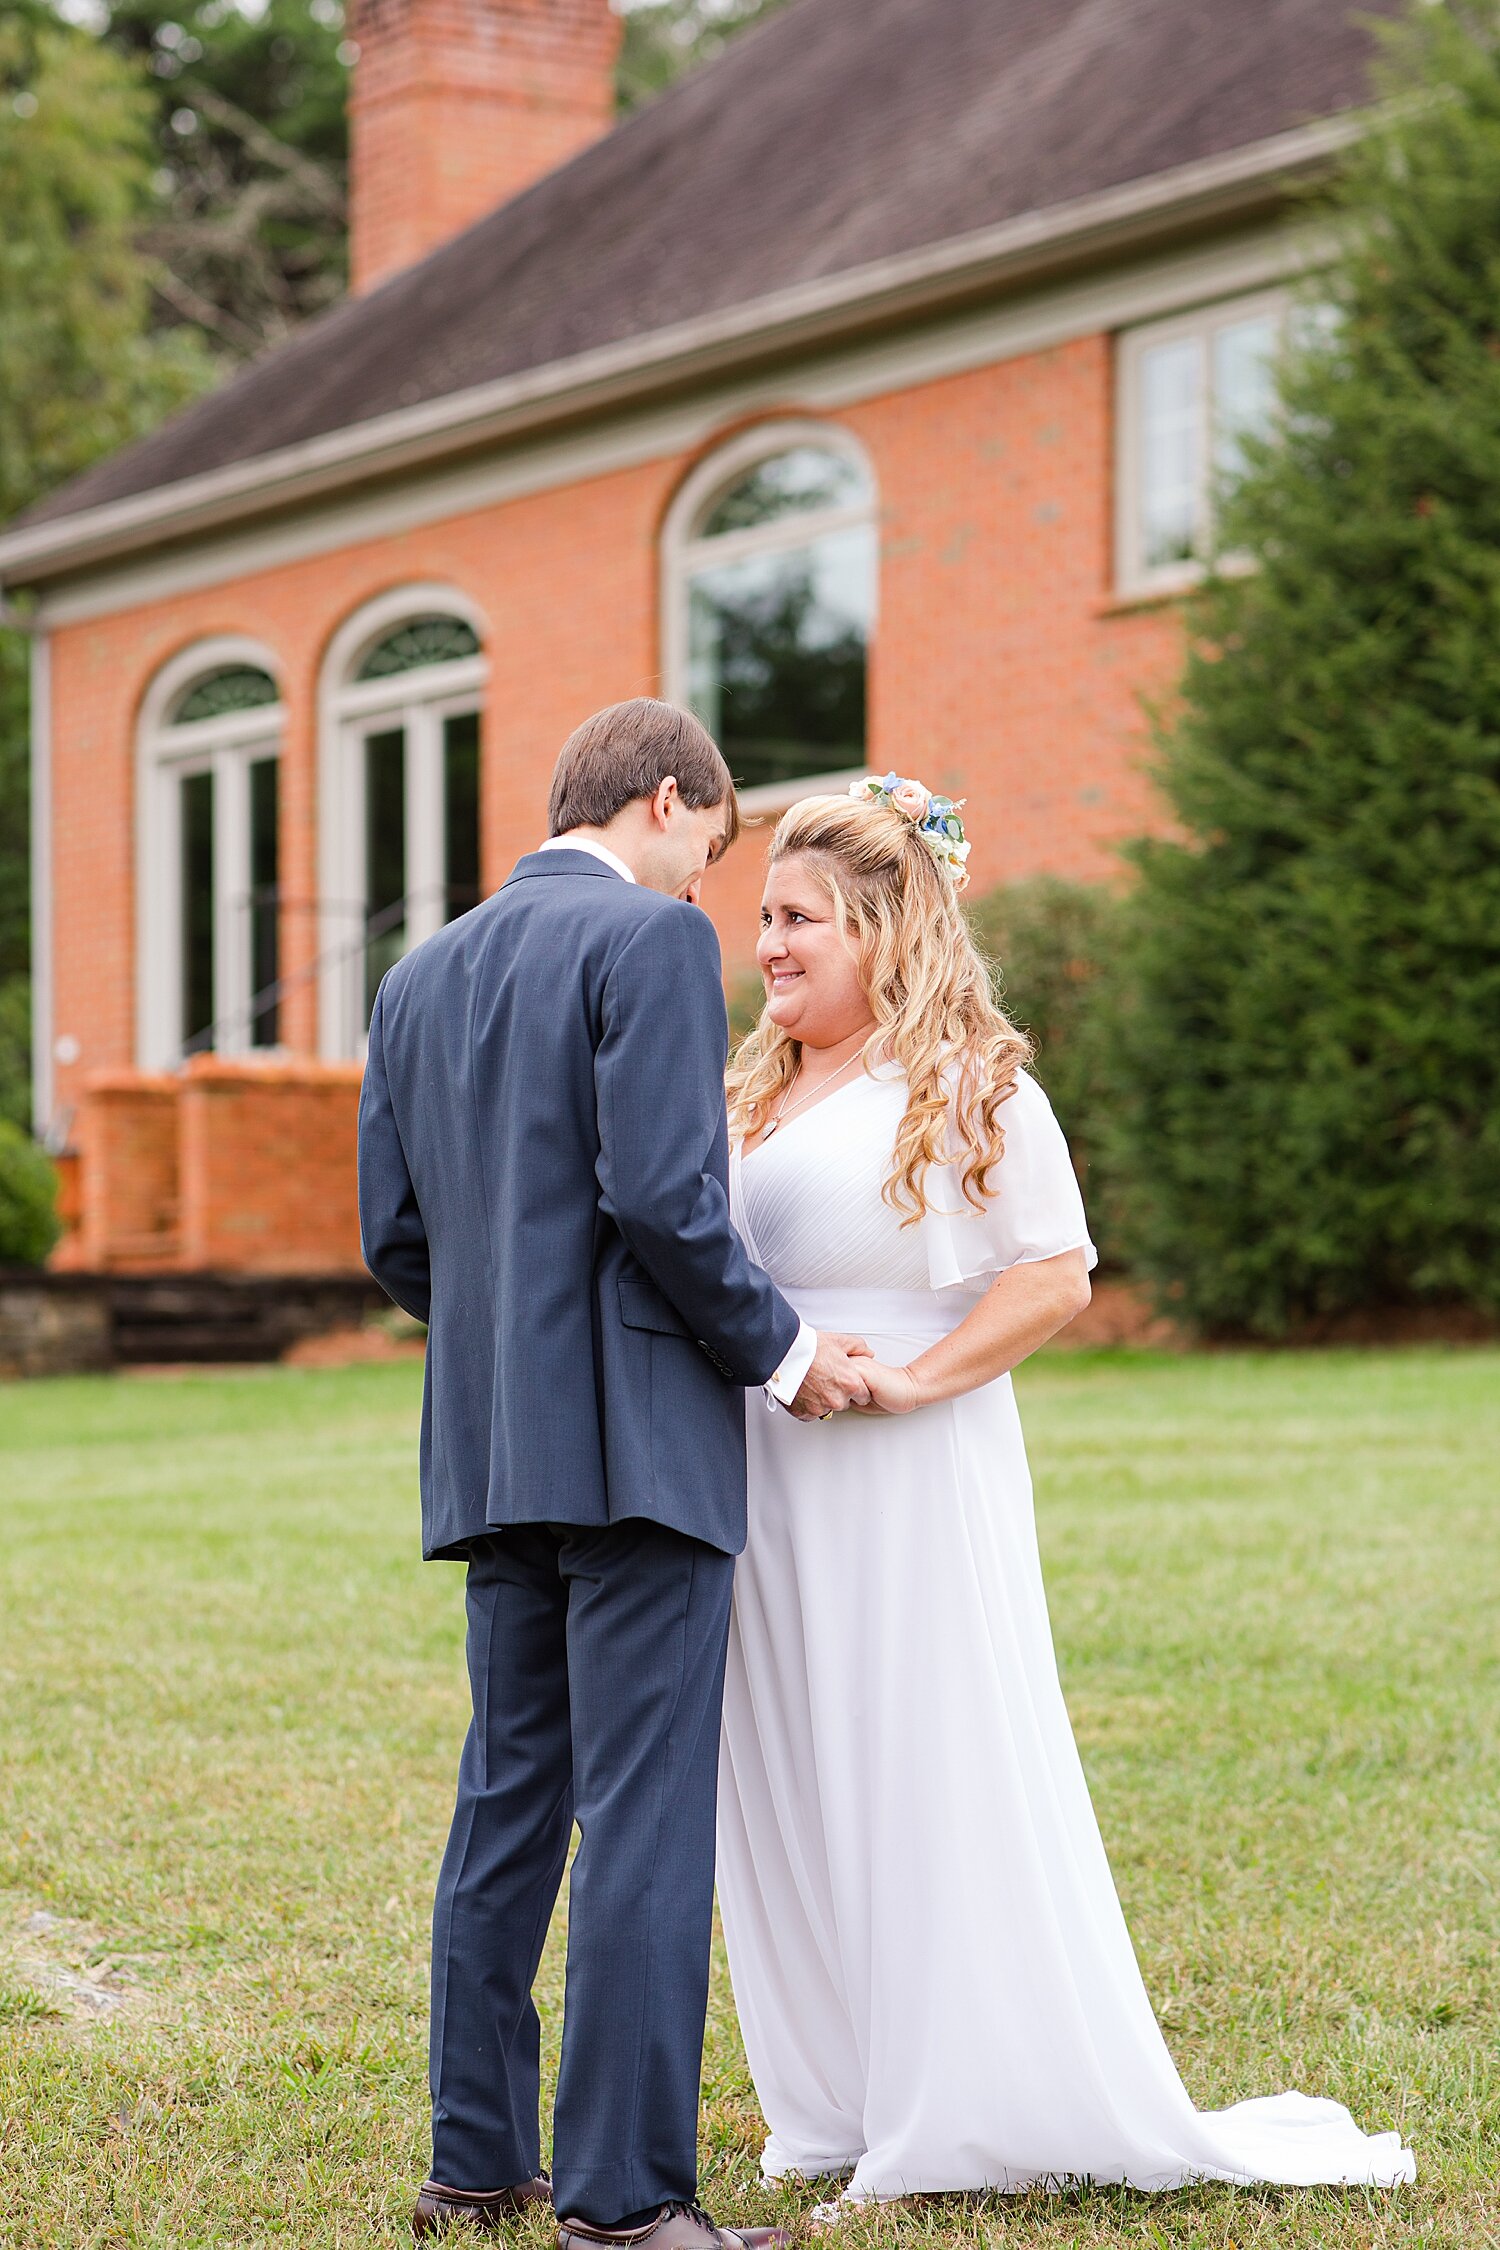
{"points": [[1050, 943], [1305, 1117], [15, 1050], [28, 1199]]}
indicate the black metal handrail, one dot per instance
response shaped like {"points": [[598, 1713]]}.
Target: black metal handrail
{"points": [[269, 997]]}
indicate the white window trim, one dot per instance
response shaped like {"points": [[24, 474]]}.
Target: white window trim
{"points": [[164, 753], [681, 553], [348, 710], [1132, 576]]}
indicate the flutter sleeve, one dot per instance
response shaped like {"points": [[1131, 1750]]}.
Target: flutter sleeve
{"points": [[1033, 1209]]}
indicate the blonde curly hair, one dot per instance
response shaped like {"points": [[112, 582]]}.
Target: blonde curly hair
{"points": [[929, 991]]}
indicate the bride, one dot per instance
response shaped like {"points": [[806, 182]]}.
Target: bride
{"points": [[934, 1978]]}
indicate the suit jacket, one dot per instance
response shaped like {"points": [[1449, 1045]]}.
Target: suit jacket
{"points": [[543, 1179]]}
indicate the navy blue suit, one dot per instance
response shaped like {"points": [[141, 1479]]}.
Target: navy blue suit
{"points": [[543, 1179]]}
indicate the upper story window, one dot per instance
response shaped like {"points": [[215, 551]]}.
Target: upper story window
{"points": [[1191, 389], [399, 819], [209, 858], [770, 568]]}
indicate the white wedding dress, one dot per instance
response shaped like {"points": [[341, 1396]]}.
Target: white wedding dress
{"points": [[933, 1975]]}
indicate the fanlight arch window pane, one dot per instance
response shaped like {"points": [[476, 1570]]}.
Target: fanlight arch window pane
{"points": [[778, 630], [233, 687], [419, 642], [797, 482]]}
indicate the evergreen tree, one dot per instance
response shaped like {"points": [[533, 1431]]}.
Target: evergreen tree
{"points": [[1307, 1019]]}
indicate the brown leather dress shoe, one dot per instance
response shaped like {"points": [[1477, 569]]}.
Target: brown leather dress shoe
{"points": [[440, 2207], [677, 2226]]}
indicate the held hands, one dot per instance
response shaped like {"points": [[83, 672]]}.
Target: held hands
{"points": [[836, 1378], [845, 1373], [892, 1390]]}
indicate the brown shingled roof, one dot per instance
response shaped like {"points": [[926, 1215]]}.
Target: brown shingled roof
{"points": [[838, 133]]}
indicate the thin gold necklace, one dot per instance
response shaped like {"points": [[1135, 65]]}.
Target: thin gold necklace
{"points": [[787, 1105]]}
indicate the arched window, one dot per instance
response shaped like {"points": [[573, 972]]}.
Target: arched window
{"points": [[209, 855], [770, 567], [399, 817]]}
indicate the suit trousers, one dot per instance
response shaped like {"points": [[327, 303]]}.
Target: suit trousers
{"points": [[596, 1662]]}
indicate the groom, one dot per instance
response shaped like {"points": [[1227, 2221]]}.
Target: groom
{"points": [[542, 1179]]}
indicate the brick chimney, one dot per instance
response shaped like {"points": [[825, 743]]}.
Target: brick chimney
{"points": [[457, 105]]}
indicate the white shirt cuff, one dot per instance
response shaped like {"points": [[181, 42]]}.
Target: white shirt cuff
{"points": [[792, 1373]]}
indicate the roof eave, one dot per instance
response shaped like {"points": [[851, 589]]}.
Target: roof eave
{"points": [[912, 284]]}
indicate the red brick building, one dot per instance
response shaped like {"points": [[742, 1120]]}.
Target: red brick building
{"points": [[867, 390]]}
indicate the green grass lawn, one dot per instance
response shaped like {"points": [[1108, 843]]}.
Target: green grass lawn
{"points": [[231, 1700]]}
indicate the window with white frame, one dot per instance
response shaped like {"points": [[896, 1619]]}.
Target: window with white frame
{"points": [[400, 811], [1191, 389], [769, 602], [209, 858]]}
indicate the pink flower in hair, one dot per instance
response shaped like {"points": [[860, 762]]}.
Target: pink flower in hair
{"points": [[911, 798]]}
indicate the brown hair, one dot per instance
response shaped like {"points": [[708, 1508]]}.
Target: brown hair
{"points": [[928, 989], [627, 751]]}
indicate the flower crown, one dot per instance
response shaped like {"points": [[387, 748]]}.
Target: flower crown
{"points": [[935, 819]]}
